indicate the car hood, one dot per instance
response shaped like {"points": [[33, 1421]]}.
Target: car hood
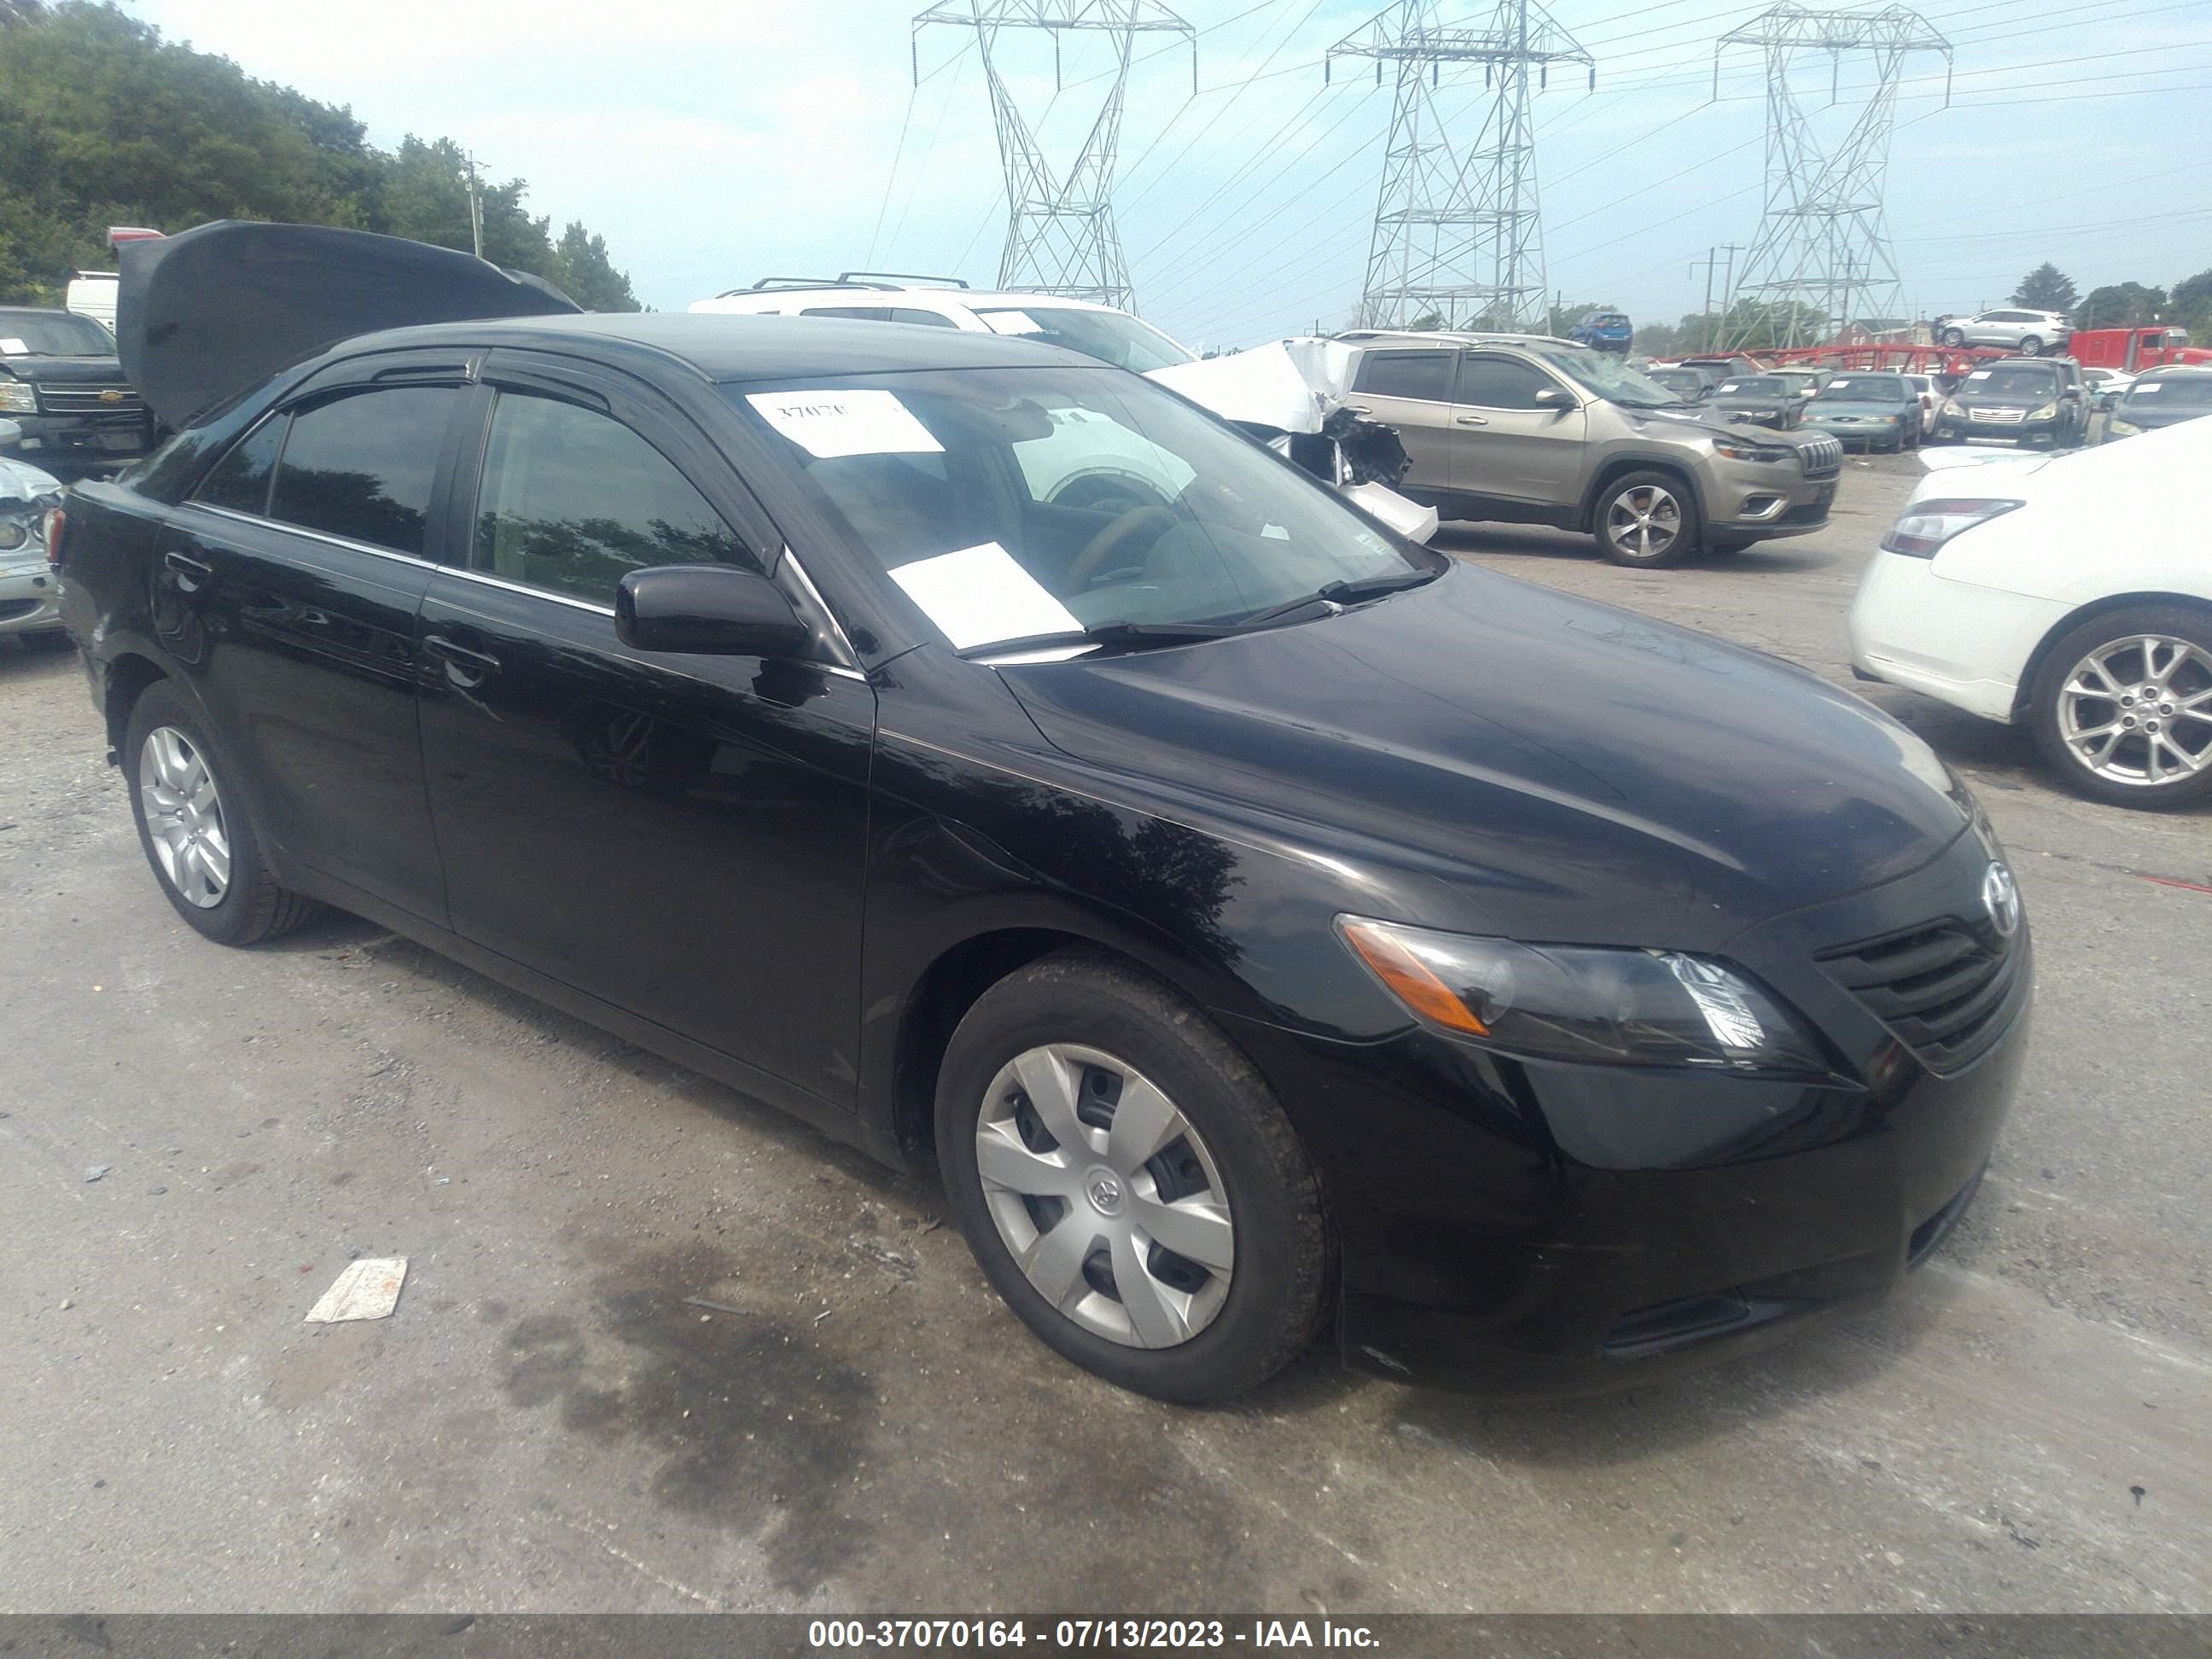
{"points": [[204, 316], [22, 483], [1539, 755], [64, 371], [2145, 477], [1288, 385]]}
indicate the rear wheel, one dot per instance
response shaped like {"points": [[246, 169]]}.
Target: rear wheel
{"points": [[1648, 519], [193, 829], [1954, 338], [2122, 707], [2031, 345], [1129, 1183]]}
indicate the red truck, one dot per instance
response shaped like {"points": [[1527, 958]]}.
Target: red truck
{"points": [[2134, 349]]}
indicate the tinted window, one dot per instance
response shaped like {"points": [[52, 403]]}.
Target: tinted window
{"points": [[927, 318], [2012, 380], [572, 498], [1500, 383], [361, 466], [853, 314], [1425, 374], [1866, 388], [241, 479]]}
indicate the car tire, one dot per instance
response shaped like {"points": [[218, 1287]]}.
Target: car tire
{"points": [[1954, 338], [1085, 1030], [2071, 725], [1663, 531], [202, 848], [2031, 345]]}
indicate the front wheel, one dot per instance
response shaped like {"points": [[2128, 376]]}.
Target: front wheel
{"points": [[2122, 707], [2031, 345], [1128, 1182], [1954, 338], [1647, 519], [194, 830]]}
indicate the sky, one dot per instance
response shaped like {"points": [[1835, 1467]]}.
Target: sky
{"points": [[713, 143]]}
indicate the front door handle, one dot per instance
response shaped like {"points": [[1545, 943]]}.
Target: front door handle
{"points": [[1470, 420], [190, 573], [464, 667]]}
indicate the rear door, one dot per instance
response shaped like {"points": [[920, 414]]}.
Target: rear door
{"points": [[1410, 388], [682, 836], [1512, 450], [287, 589]]}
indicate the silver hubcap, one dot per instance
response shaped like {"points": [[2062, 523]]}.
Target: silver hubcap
{"points": [[1645, 521], [2138, 710], [1107, 1198], [184, 817]]}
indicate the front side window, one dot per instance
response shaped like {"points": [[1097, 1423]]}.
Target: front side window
{"points": [[1013, 503], [1606, 375], [1501, 383], [361, 464], [240, 480], [573, 499], [1426, 375]]}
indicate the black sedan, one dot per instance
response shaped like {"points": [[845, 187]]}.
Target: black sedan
{"points": [[1759, 400], [1265, 925]]}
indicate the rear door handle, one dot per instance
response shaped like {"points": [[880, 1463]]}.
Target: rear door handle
{"points": [[189, 572], [1470, 420], [463, 665]]}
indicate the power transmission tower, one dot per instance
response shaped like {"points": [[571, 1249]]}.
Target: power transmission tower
{"points": [[1061, 237], [1457, 233], [1823, 247]]}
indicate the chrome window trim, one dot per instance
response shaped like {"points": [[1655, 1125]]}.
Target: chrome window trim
{"points": [[290, 528]]}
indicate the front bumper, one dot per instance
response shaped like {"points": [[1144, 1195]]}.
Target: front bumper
{"points": [[30, 600], [84, 443], [1960, 643], [1751, 499], [1969, 429], [1517, 1229]]}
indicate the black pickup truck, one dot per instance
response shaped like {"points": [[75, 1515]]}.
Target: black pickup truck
{"points": [[60, 381]]}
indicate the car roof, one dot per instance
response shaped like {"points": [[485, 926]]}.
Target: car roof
{"points": [[1368, 336], [745, 348], [875, 298]]}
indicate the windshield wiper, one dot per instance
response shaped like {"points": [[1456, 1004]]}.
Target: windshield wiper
{"points": [[1107, 634], [1342, 592]]}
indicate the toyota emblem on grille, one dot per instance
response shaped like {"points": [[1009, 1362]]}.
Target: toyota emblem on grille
{"points": [[2001, 898]]}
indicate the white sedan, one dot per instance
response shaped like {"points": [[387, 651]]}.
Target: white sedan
{"points": [[2071, 593]]}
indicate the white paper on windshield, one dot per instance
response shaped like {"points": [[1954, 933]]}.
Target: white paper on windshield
{"points": [[827, 424], [1730, 386], [14, 349], [978, 594], [2144, 388], [1979, 374], [1010, 322]]}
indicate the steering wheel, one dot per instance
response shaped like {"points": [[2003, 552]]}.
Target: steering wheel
{"points": [[1111, 539]]}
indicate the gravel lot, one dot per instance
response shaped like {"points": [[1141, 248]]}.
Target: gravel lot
{"points": [[547, 1424]]}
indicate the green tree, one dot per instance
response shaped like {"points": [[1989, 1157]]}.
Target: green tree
{"points": [[2046, 288], [2121, 305], [1427, 323], [583, 271], [2192, 305]]}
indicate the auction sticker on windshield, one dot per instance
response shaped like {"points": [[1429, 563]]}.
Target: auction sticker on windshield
{"points": [[979, 595], [14, 349], [828, 424], [1010, 322]]}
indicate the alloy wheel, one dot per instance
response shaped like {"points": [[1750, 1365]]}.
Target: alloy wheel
{"points": [[1106, 1195], [1645, 521], [2138, 710], [184, 817]]}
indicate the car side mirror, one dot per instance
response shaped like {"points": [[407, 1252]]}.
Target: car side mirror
{"points": [[1555, 398], [708, 609]]}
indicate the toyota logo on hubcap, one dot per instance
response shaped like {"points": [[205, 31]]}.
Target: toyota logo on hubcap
{"points": [[1105, 1193], [2001, 898]]}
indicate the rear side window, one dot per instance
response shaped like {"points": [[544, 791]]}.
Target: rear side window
{"points": [[361, 466], [1424, 374], [572, 498], [240, 480], [927, 318]]}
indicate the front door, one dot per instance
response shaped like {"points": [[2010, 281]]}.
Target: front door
{"points": [[1515, 450], [682, 836], [286, 591]]}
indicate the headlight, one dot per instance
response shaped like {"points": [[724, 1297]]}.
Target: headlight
{"points": [[17, 398], [1922, 528], [13, 535], [1597, 1006], [2048, 412], [1951, 407], [1743, 452], [2116, 428]]}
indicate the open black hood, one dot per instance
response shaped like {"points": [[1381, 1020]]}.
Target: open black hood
{"points": [[204, 316]]}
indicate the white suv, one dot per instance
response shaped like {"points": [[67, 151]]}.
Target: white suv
{"points": [[2030, 333], [1112, 337]]}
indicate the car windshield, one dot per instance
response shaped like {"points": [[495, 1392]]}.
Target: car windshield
{"points": [[1111, 337], [2174, 391], [1684, 381], [52, 334], [1866, 388], [1028, 503], [2026, 381], [1604, 373], [1752, 385]]}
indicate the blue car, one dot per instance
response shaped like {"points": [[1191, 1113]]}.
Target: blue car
{"points": [[1603, 330]]}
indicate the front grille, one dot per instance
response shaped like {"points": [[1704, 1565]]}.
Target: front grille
{"points": [[89, 400], [1945, 989], [1997, 416], [1821, 455]]}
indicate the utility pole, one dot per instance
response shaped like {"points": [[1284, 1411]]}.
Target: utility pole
{"points": [[1822, 234], [476, 207], [1061, 236], [1712, 259], [1456, 226]]}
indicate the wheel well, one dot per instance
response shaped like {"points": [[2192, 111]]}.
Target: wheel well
{"points": [[128, 676], [1625, 464], [946, 991], [2024, 693]]}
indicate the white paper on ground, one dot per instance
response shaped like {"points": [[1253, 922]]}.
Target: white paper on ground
{"points": [[978, 594], [827, 424], [366, 1290], [1010, 322]]}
